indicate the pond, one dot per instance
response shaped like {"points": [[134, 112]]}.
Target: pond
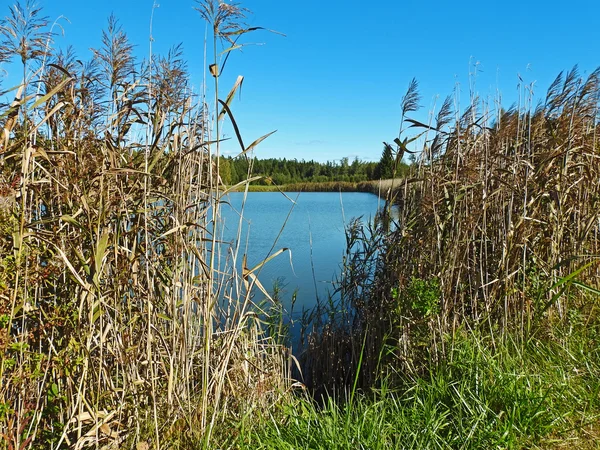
{"points": [[311, 225]]}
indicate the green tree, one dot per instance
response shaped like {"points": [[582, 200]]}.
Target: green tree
{"points": [[225, 170], [385, 168]]}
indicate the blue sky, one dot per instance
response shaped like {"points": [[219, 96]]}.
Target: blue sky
{"points": [[332, 87]]}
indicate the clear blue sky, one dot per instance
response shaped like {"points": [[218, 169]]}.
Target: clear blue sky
{"points": [[332, 87]]}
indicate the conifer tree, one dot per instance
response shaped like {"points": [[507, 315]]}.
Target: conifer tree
{"points": [[385, 168]]}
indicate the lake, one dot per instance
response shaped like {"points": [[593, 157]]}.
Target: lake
{"points": [[312, 228]]}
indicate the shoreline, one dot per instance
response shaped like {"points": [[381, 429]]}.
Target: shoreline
{"points": [[372, 187]]}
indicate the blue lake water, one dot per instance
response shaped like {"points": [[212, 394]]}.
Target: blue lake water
{"points": [[310, 224]]}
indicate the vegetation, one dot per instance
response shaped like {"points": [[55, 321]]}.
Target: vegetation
{"points": [[485, 395], [497, 231], [118, 326], [293, 172], [497, 237]]}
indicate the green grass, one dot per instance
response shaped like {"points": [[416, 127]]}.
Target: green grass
{"points": [[544, 394]]}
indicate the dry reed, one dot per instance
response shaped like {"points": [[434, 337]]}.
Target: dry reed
{"points": [[497, 229], [123, 321]]}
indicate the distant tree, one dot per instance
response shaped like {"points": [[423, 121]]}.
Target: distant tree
{"points": [[225, 170], [283, 171], [356, 166], [370, 170], [385, 168], [234, 177], [344, 169]]}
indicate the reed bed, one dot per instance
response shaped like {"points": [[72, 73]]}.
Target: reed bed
{"points": [[123, 321], [381, 188], [374, 187], [497, 230], [378, 187]]}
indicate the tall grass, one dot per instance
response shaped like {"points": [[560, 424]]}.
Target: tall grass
{"points": [[497, 231], [123, 322]]}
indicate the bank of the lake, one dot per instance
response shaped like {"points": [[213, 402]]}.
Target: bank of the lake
{"points": [[506, 395], [377, 187]]}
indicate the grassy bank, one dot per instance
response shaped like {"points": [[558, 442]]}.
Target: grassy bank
{"points": [[543, 394], [380, 187]]}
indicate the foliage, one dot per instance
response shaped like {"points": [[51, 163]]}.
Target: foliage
{"points": [[496, 229], [291, 171], [117, 326]]}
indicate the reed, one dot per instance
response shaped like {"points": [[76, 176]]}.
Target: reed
{"points": [[123, 321], [497, 231], [379, 187]]}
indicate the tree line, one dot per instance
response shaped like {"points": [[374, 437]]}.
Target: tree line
{"points": [[282, 171]]}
